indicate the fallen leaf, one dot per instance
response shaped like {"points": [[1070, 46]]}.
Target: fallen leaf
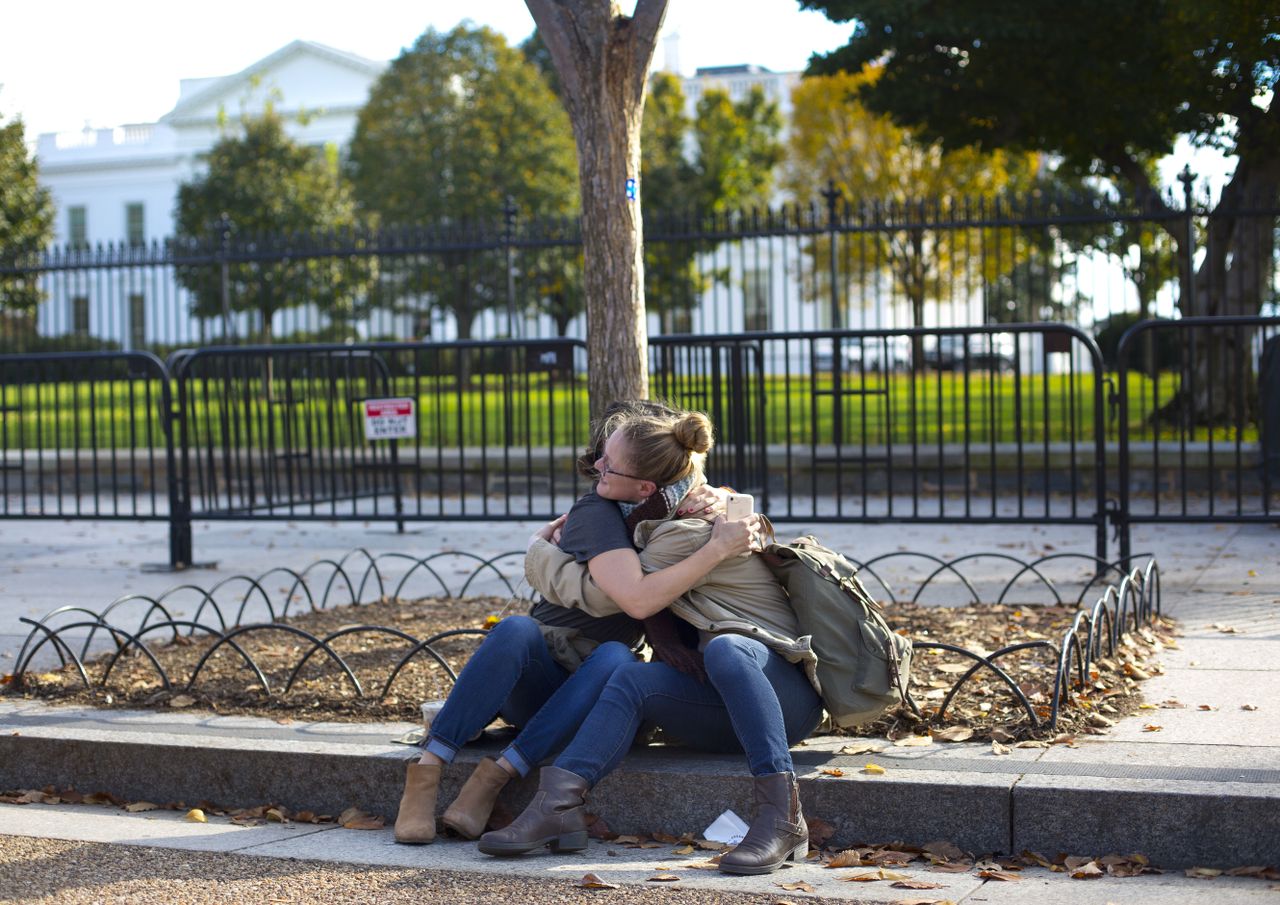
{"points": [[831, 771], [627, 840], [861, 748], [664, 838], [998, 875], [798, 886], [1206, 707], [892, 875], [663, 878], [195, 815], [1203, 873], [958, 868], [1152, 727], [138, 807], [181, 700], [941, 848], [275, 815], [870, 876], [1256, 870], [1087, 871], [954, 734], [916, 884], [925, 902], [710, 846], [997, 748], [1248, 706], [820, 831], [597, 828], [686, 850], [913, 741], [873, 769], [1000, 734], [591, 881]]}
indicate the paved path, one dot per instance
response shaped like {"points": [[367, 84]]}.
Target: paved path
{"points": [[1214, 772]]}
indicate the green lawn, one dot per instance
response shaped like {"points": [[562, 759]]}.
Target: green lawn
{"points": [[927, 408]]}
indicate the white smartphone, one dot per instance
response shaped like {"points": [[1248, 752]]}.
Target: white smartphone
{"points": [[739, 506]]}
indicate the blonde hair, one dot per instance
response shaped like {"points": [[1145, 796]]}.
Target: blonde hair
{"points": [[668, 449]]}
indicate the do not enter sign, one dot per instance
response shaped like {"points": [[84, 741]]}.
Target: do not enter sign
{"points": [[389, 419]]}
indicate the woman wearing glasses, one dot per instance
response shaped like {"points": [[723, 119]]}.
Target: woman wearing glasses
{"points": [[758, 698], [543, 672]]}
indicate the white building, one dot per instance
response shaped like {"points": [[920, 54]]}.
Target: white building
{"points": [[119, 185]]}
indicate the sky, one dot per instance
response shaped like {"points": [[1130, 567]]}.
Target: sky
{"points": [[67, 62]]}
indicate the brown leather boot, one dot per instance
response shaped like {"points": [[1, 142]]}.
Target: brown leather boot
{"points": [[778, 832], [416, 819], [556, 817], [469, 813]]}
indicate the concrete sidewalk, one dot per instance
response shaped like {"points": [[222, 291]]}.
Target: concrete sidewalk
{"points": [[1204, 789]]}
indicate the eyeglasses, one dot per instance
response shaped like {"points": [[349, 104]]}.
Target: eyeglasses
{"points": [[605, 469]]}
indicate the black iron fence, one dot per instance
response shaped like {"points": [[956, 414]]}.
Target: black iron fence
{"points": [[1199, 412], [993, 425], [832, 265]]}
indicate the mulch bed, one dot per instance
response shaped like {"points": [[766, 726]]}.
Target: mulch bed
{"points": [[983, 710]]}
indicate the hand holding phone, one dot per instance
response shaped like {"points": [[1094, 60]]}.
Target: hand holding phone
{"points": [[738, 506]]}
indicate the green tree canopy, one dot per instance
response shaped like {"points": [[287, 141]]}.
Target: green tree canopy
{"points": [[457, 124], [1107, 86], [723, 159], [264, 187], [26, 221], [874, 164]]}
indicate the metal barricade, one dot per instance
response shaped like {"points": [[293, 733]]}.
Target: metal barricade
{"points": [[1190, 427], [997, 424], [87, 435]]}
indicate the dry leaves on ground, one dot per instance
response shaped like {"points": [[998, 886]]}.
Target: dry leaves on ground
{"points": [[982, 706]]}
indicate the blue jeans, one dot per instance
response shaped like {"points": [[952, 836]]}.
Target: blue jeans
{"points": [[513, 674], [754, 701]]}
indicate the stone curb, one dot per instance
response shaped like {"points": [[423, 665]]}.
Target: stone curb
{"points": [[958, 793]]}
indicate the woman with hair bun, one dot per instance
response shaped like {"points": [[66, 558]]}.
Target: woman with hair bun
{"points": [[542, 672], [759, 696]]}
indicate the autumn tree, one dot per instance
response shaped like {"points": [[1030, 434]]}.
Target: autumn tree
{"points": [[259, 191], [26, 227], [602, 58], [884, 177], [458, 125], [721, 160], [1106, 87]]}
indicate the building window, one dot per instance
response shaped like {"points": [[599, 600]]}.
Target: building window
{"points": [[137, 321], [755, 297], [77, 226], [134, 225], [80, 315]]}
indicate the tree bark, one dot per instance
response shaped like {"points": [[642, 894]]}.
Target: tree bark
{"points": [[602, 58]]}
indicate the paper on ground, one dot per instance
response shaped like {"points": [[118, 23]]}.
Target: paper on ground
{"points": [[727, 828]]}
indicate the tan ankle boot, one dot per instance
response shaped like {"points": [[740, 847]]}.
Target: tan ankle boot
{"points": [[778, 832], [416, 819], [469, 814], [556, 817]]}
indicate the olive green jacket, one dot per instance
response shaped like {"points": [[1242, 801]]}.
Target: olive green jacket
{"points": [[739, 596]]}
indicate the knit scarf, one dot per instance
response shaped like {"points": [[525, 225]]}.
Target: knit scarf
{"points": [[659, 505]]}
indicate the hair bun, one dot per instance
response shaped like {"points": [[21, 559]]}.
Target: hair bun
{"points": [[693, 431]]}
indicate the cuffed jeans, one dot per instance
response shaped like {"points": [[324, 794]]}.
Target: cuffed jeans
{"points": [[513, 674], [754, 701]]}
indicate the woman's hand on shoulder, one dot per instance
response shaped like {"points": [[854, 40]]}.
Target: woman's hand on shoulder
{"points": [[551, 531], [704, 502]]}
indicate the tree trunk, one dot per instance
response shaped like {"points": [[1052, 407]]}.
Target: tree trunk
{"points": [[1232, 279], [1218, 386], [602, 58]]}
